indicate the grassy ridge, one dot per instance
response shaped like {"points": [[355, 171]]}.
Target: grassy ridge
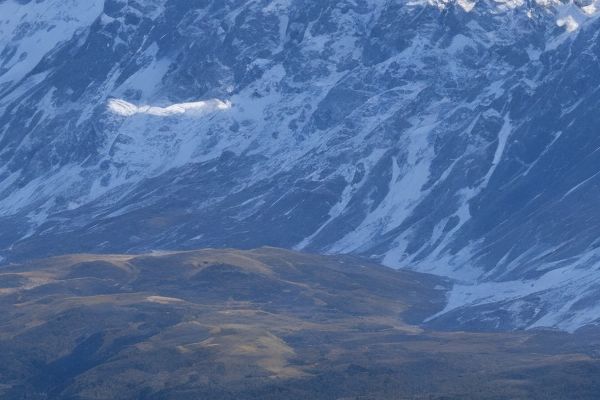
{"points": [[260, 324]]}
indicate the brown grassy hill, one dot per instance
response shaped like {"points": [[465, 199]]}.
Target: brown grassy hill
{"points": [[261, 324]]}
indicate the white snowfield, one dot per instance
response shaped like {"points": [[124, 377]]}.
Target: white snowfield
{"points": [[192, 109]]}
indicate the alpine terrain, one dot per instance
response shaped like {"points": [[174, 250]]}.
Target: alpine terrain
{"points": [[456, 138]]}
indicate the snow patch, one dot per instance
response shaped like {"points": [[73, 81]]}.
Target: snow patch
{"points": [[568, 22], [194, 109]]}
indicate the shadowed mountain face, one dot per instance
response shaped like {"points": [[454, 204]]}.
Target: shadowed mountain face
{"points": [[452, 137], [261, 324]]}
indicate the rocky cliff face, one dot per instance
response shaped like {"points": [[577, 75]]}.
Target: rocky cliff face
{"points": [[451, 137]]}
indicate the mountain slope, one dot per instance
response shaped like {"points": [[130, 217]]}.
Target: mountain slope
{"points": [[455, 138]]}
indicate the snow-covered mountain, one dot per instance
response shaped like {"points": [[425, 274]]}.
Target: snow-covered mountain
{"points": [[452, 137]]}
